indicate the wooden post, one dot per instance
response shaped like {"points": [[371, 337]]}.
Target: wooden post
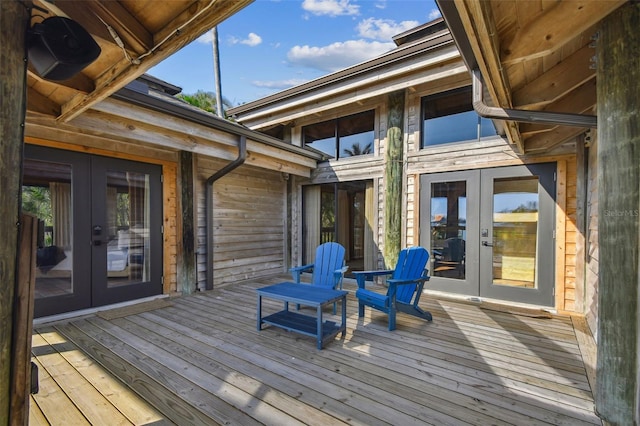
{"points": [[187, 268], [14, 19], [394, 167], [618, 62], [23, 321]]}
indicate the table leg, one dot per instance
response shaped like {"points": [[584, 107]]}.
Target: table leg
{"points": [[344, 315], [319, 325], [259, 314]]}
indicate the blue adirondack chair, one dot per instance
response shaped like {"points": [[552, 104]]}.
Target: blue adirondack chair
{"points": [[404, 287], [328, 268]]}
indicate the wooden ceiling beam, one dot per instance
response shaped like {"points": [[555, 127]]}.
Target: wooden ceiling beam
{"points": [[186, 27], [554, 27], [133, 34], [79, 82], [557, 82], [581, 100], [40, 104], [480, 27]]}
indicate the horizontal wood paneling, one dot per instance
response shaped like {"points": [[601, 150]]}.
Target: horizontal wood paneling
{"points": [[249, 219]]}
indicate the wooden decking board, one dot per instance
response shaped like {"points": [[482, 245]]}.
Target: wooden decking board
{"points": [[331, 382], [122, 398], [474, 360], [165, 393], [178, 376], [202, 361], [223, 379], [385, 333], [381, 378], [574, 372], [252, 364], [54, 403]]}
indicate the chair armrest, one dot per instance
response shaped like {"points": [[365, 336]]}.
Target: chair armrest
{"points": [[338, 274], [297, 270], [411, 281], [362, 276]]}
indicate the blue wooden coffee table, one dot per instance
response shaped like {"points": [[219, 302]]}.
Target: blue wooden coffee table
{"points": [[307, 295]]}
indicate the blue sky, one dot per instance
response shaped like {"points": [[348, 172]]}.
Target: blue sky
{"points": [[272, 45]]}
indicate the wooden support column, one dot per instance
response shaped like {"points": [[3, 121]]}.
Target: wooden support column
{"points": [[618, 59], [394, 161], [187, 265], [14, 20]]}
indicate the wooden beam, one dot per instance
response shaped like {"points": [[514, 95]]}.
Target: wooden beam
{"points": [[184, 29], [545, 141], [556, 82], [187, 225], [24, 302], [477, 19], [133, 34], [79, 82], [554, 27], [617, 374], [14, 18], [39, 103], [393, 175], [581, 100]]}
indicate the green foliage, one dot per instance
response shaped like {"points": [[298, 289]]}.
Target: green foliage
{"points": [[37, 201], [356, 150], [205, 101]]}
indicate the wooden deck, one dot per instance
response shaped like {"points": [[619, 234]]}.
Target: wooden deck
{"points": [[202, 361]]}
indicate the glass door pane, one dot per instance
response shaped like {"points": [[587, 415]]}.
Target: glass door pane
{"points": [[449, 230], [128, 227], [515, 230], [54, 186], [126, 230]]}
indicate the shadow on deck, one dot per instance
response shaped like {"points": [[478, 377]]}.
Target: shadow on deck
{"points": [[202, 361]]}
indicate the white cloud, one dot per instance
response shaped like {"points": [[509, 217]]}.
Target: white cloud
{"points": [[252, 39], [278, 85], [435, 13], [383, 29], [337, 56], [205, 38], [330, 7]]}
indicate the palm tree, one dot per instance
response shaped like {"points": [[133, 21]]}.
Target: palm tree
{"points": [[205, 101], [356, 150]]}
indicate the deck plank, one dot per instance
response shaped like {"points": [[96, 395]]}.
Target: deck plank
{"points": [[202, 361]]}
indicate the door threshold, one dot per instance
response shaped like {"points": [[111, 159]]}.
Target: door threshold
{"points": [[93, 311], [494, 304]]}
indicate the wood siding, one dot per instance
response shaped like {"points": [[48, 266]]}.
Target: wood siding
{"points": [[249, 223]]}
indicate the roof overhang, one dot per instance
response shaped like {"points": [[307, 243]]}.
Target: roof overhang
{"points": [[148, 30], [532, 57]]}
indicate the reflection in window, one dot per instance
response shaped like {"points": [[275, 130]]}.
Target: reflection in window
{"points": [[515, 231], [348, 136], [128, 215], [46, 194], [448, 229], [449, 117]]}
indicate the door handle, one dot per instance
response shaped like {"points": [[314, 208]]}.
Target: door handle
{"points": [[487, 244]]}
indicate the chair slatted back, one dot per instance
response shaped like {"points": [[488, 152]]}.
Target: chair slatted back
{"points": [[329, 258], [411, 264]]}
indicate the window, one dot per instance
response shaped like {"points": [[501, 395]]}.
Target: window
{"points": [[344, 137], [449, 117]]}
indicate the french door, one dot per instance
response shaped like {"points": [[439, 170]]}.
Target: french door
{"points": [[99, 233], [490, 232]]}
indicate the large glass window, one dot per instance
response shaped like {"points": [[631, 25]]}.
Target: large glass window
{"points": [[347, 136], [449, 117]]}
